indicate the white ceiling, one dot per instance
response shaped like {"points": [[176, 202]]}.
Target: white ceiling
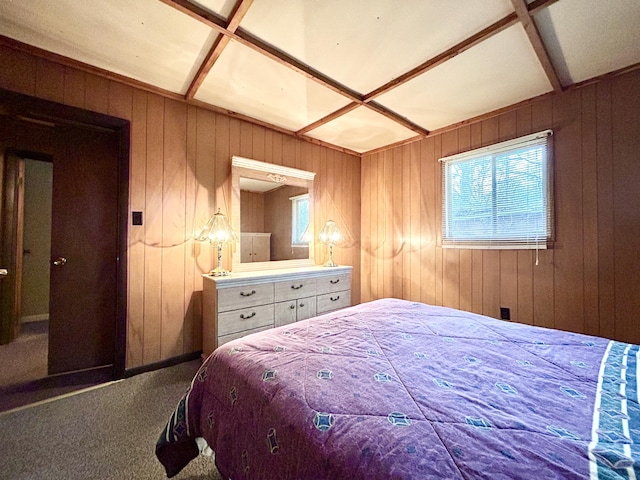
{"points": [[357, 74]]}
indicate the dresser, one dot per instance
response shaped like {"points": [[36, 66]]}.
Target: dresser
{"points": [[249, 302]]}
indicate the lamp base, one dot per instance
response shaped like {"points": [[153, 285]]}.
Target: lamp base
{"points": [[219, 272], [330, 263]]}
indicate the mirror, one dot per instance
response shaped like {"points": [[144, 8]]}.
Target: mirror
{"points": [[272, 211]]}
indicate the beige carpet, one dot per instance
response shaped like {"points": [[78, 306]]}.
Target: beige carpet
{"points": [[25, 359], [105, 433]]}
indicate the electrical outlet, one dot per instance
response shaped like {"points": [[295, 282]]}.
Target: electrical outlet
{"points": [[505, 313]]}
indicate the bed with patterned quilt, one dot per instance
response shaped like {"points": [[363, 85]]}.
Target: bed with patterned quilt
{"points": [[394, 389]]}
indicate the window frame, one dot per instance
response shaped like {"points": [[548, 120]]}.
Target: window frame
{"points": [[542, 138]]}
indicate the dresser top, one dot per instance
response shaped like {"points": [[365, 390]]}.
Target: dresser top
{"points": [[264, 276]]}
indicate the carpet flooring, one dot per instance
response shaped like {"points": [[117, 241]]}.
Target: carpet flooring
{"points": [[106, 432]]}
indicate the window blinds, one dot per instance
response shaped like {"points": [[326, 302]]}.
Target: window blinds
{"points": [[499, 196]]}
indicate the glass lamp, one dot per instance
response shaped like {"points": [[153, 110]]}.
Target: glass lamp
{"points": [[218, 232], [330, 235]]}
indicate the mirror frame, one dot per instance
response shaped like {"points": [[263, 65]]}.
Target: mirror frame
{"points": [[247, 168]]}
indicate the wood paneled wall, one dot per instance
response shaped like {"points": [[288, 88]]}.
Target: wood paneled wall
{"points": [[179, 175], [588, 282]]}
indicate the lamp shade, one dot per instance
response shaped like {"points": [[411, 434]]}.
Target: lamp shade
{"points": [[330, 233], [218, 230]]}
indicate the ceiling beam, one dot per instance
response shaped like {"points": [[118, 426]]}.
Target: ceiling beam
{"points": [[482, 35], [254, 43], [240, 10], [332, 116], [520, 6]]}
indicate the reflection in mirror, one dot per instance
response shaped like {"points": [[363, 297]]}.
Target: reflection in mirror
{"points": [[273, 209]]}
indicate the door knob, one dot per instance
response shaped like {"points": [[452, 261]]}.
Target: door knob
{"points": [[59, 261], [4, 272]]}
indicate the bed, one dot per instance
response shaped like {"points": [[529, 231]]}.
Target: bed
{"points": [[394, 389]]}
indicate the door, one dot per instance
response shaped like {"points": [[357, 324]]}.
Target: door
{"points": [[84, 250], [11, 204]]}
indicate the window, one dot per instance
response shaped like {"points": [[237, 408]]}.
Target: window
{"points": [[499, 196], [299, 220]]}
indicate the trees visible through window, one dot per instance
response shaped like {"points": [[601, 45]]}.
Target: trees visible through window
{"points": [[499, 196], [300, 220]]}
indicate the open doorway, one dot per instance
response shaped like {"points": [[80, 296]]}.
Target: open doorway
{"points": [[25, 358]]}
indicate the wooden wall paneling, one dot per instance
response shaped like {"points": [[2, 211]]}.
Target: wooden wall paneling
{"points": [[415, 219], [590, 209], [437, 221], [569, 263], [153, 230], [96, 97], [365, 238], [356, 205], [120, 100], [450, 256], [477, 296], [268, 147], [396, 221], [406, 241], [525, 257], [543, 278], [465, 256], [210, 127], [428, 219], [377, 226], [18, 71], [74, 87], [626, 178], [289, 151], [508, 258], [173, 228], [136, 250], [387, 223], [342, 195], [227, 144], [490, 258], [277, 148], [192, 281], [314, 166], [49, 80], [320, 211], [604, 153], [246, 140]]}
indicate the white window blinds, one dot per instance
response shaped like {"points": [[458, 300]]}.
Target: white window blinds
{"points": [[499, 196]]}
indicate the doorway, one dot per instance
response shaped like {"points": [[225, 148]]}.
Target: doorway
{"points": [[66, 282], [25, 359]]}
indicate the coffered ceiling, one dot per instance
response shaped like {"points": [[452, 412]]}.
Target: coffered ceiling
{"points": [[359, 75]]}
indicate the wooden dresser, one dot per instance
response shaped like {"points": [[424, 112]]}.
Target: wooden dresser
{"points": [[249, 302]]}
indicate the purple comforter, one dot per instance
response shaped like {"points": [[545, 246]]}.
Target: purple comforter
{"points": [[398, 389]]}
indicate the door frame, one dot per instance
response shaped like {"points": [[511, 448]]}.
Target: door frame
{"points": [[18, 105]]}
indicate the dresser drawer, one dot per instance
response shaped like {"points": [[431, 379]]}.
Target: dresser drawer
{"points": [[289, 290], [232, 336], [333, 301], [245, 319], [243, 297], [333, 283]]}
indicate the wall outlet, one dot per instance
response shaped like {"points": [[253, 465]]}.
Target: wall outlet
{"points": [[505, 313]]}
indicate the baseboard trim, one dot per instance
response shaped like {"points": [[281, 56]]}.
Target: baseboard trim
{"points": [[34, 318], [80, 377], [169, 362]]}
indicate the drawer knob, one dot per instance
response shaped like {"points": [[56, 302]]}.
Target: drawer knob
{"points": [[292, 306], [296, 288], [334, 281], [245, 317], [245, 294], [301, 305], [333, 299]]}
